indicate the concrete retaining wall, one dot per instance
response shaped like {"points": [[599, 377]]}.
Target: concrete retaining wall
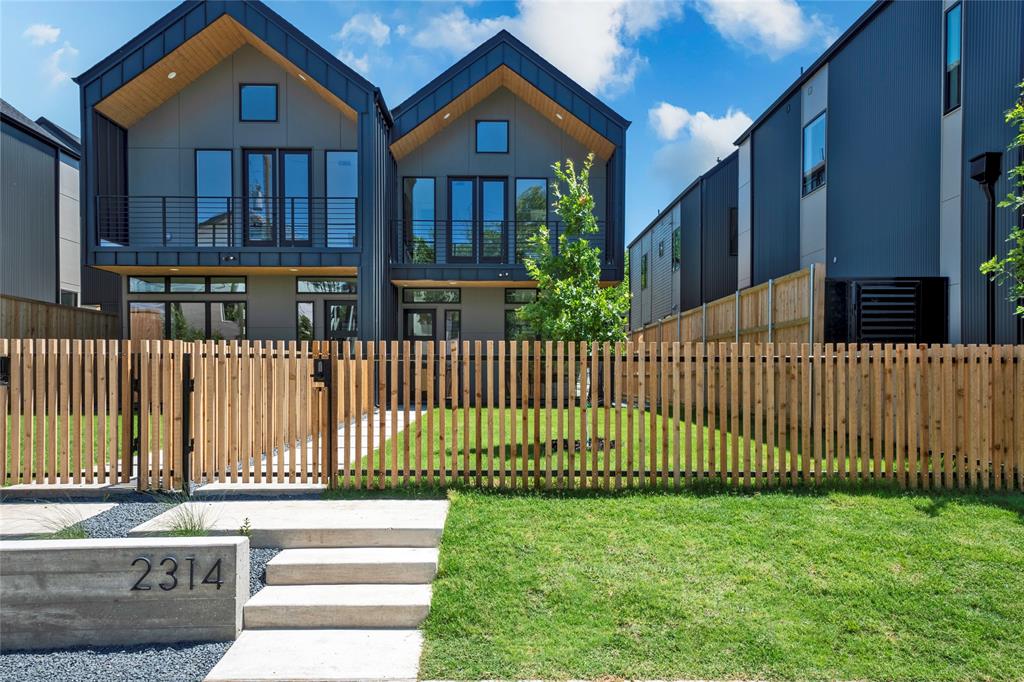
{"points": [[64, 593]]}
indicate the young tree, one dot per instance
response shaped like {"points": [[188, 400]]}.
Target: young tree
{"points": [[571, 304], [1010, 270]]}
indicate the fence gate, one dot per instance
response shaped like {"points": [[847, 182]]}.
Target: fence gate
{"points": [[248, 412]]}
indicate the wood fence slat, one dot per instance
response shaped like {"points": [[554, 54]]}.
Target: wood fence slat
{"points": [[595, 378], [641, 351], [89, 405], [805, 414], [406, 360], [948, 416], [5, 351], [466, 410], [28, 413], [759, 403], [16, 405], [101, 411], [746, 412], [687, 414], [1019, 416], [571, 475], [986, 417], [617, 402], [417, 391], [455, 411], [389, 460], [888, 446], [817, 436], [478, 379], [723, 412], [876, 403], [561, 412], [962, 422], [50, 467], [865, 412], [548, 362], [607, 399], [442, 449], [61, 417], [735, 410], [795, 393], [913, 415], [513, 397], [430, 409], [997, 416], [492, 390]]}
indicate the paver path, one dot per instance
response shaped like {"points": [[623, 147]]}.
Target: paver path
{"points": [[345, 597], [33, 520]]}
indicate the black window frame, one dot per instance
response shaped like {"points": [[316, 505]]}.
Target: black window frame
{"points": [[69, 292], [510, 301], [312, 320], [476, 134], [327, 317], [277, 103], [947, 107], [823, 166], [354, 280], [228, 199], [409, 224], [419, 311], [406, 290], [207, 314], [282, 199], [447, 313], [207, 285]]}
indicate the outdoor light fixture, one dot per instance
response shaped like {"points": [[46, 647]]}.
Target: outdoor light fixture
{"points": [[558, 116], [175, 269], [171, 75], [447, 115], [302, 77], [985, 170], [293, 269]]}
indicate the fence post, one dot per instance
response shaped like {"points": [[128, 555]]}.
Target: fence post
{"points": [[810, 306], [771, 308], [737, 316], [187, 443], [704, 322]]}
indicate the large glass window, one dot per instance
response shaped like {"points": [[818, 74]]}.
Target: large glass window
{"points": [[953, 46], [531, 212], [227, 321], [146, 320], [493, 192], [677, 249], [187, 320], [296, 188], [419, 325], [452, 325], [325, 285], [342, 190], [188, 285], [492, 137], [260, 190], [418, 209], [213, 198], [147, 285], [516, 328], [519, 296], [814, 154], [257, 102], [462, 211], [341, 320], [431, 295], [227, 285], [304, 321]]}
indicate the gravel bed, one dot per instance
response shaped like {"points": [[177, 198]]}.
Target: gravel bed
{"points": [[258, 559], [159, 663], [121, 518]]}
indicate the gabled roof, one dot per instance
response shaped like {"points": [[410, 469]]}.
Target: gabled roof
{"points": [[810, 71], [719, 165], [196, 35], [504, 60], [38, 130], [60, 133]]}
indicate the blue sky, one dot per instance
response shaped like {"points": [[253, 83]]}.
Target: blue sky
{"points": [[689, 74]]}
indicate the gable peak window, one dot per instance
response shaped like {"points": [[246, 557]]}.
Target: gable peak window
{"points": [[814, 154], [492, 137], [951, 82], [257, 102]]}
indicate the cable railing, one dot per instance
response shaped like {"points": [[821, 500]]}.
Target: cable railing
{"points": [[503, 242], [177, 222]]}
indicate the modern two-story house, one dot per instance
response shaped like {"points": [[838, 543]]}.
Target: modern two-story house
{"points": [[245, 183]]}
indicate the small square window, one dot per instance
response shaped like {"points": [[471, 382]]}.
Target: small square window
{"points": [[492, 137], [257, 102], [69, 298], [419, 325]]}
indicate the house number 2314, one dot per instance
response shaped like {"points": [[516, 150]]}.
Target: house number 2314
{"points": [[166, 574]]}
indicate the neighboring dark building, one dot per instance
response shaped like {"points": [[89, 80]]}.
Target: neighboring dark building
{"points": [[863, 163], [687, 255], [244, 183], [40, 250]]}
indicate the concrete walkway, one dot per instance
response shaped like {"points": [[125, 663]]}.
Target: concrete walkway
{"points": [[343, 599], [22, 520]]}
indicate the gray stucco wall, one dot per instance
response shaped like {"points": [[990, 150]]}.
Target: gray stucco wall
{"points": [[775, 182], [482, 313], [161, 147], [883, 146], [534, 144], [993, 62], [28, 216]]}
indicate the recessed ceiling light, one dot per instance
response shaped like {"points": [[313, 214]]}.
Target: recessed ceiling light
{"points": [[293, 269], [302, 77], [172, 74], [175, 269], [447, 115], [451, 281], [558, 116]]}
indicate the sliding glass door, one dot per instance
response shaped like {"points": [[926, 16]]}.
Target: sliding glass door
{"points": [[477, 215]]}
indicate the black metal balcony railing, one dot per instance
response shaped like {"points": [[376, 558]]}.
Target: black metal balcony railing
{"points": [[225, 222], [503, 242]]}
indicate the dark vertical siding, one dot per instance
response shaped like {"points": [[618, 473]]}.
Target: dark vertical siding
{"points": [[775, 174], [635, 315], [690, 220], [661, 268], [992, 65], [719, 195], [28, 216], [883, 146], [378, 305]]}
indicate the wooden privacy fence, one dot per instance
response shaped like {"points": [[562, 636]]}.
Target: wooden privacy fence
{"points": [[787, 309], [27, 318], [511, 414]]}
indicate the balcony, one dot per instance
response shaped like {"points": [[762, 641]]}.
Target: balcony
{"points": [[477, 243], [182, 223]]}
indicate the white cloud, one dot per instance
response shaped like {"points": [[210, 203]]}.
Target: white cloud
{"points": [[365, 26], [42, 34], [401, 29], [696, 140], [53, 68], [592, 42], [359, 63], [771, 27]]}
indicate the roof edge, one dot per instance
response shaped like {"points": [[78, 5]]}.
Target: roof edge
{"points": [[840, 42]]}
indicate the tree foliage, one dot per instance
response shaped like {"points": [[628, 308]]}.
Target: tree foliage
{"points": [[1010, 270], [571, 304]]}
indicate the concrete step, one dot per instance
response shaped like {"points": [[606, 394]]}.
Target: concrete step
{"points": [[337, 606], [259, 655], [295, 523], [323, 566]]}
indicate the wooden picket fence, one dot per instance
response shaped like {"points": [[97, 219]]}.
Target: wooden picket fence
{"points": [[511, 414]]}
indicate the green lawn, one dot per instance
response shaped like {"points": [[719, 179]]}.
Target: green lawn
{"points": [[647, 585], [466, 456]]}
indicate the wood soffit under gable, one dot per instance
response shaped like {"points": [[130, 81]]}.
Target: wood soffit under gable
{"points": [[505, 77], [140, 96]]}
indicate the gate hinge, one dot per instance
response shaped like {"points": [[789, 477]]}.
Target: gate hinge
{"points": [[190, 385]]}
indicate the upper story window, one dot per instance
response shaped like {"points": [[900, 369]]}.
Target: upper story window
{"points": [[677, 249], [734, 232], [257, 102], [492, 137], [325, 285], [814, 154], [432, 295], [953, 44], [643, 271]]}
